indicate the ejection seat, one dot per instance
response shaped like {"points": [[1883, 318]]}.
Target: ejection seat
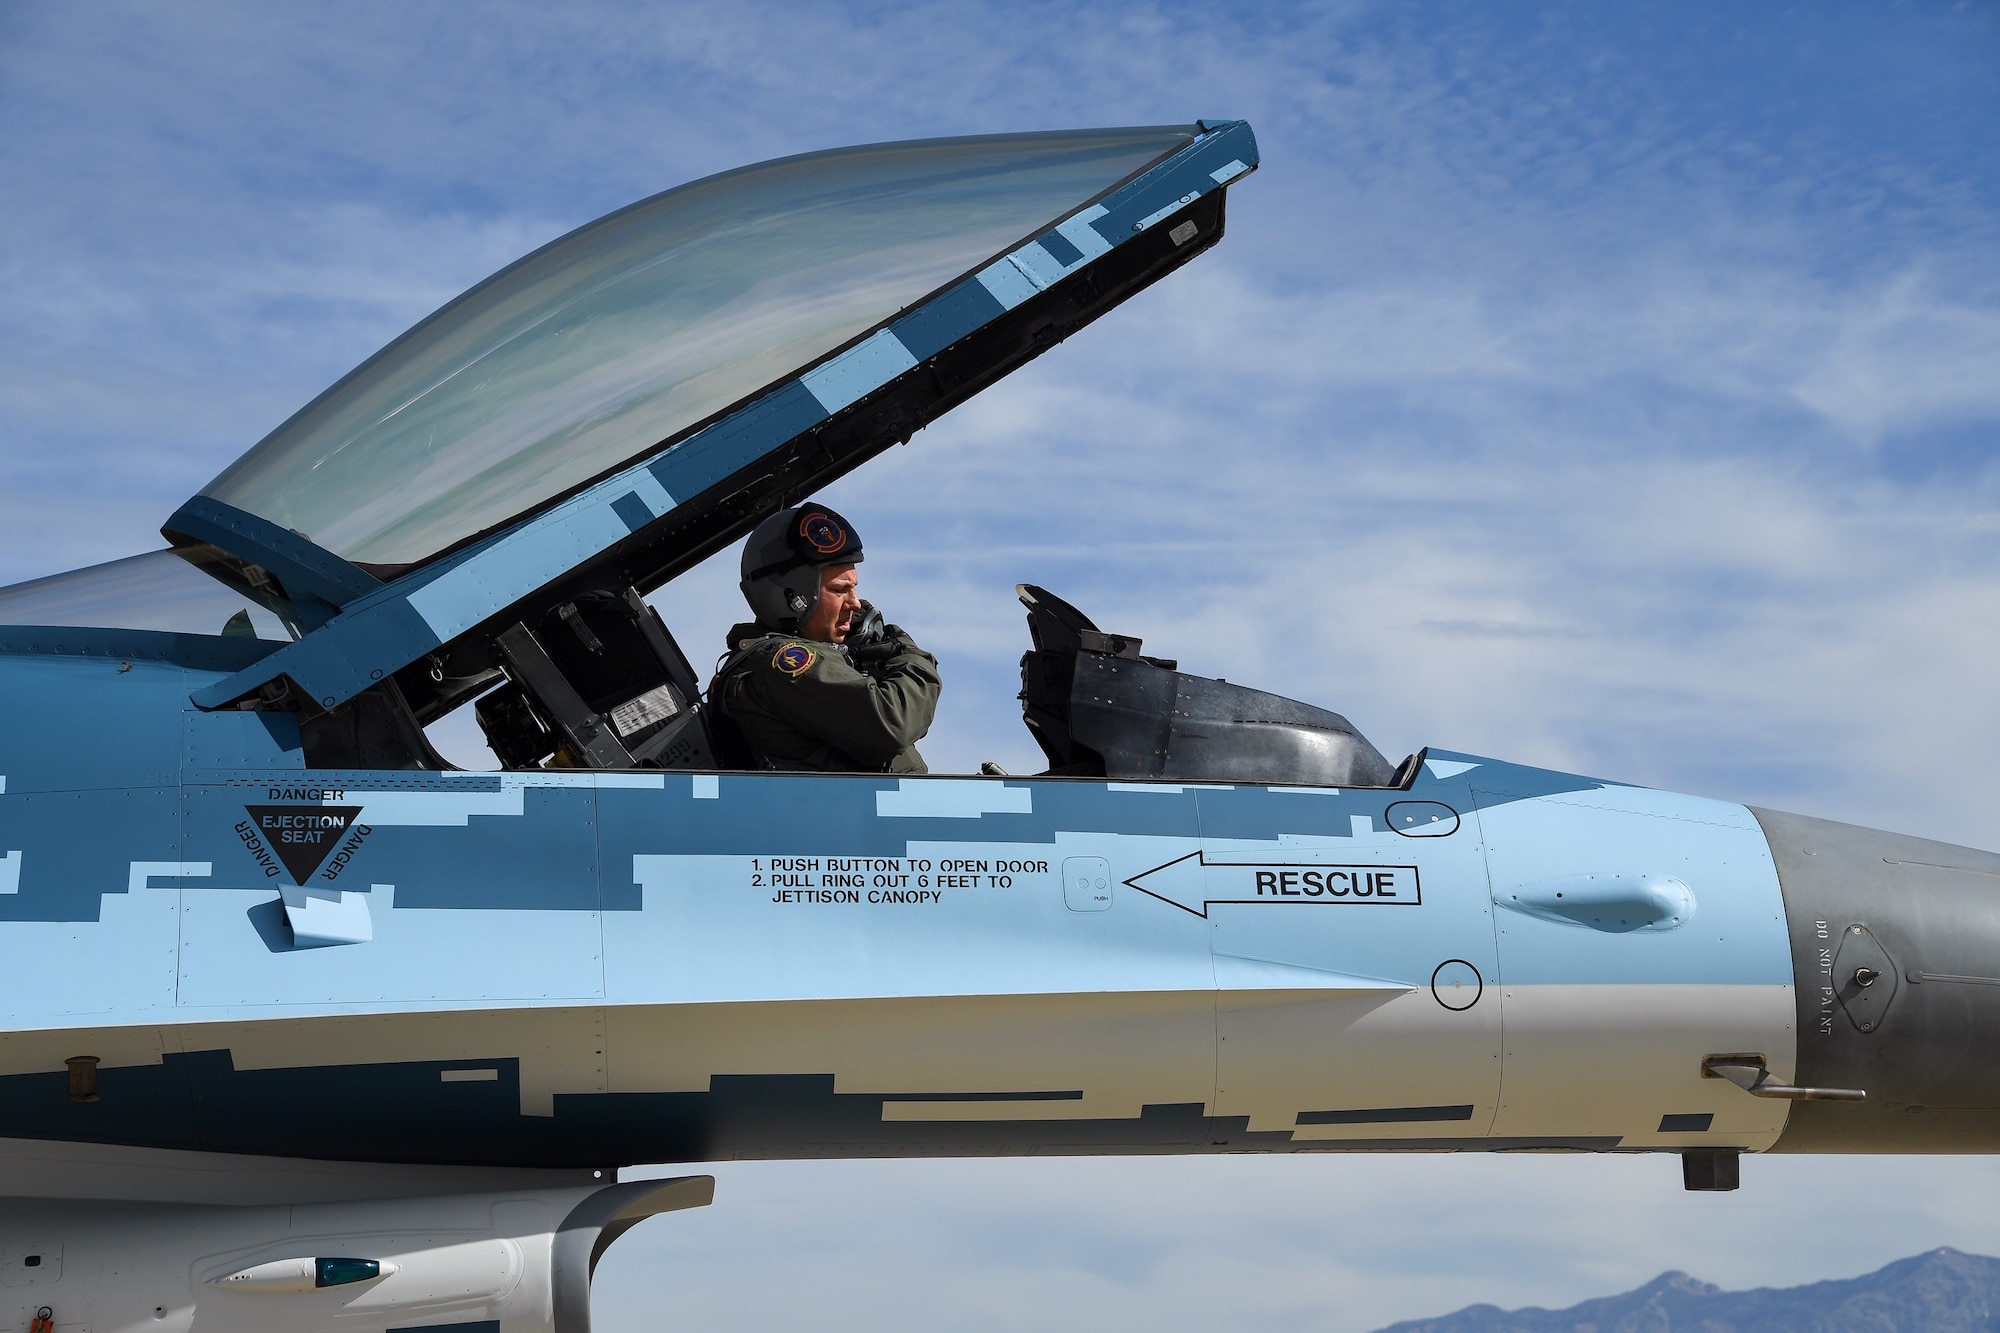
{"points": [[601, 682], [1100, 708]]}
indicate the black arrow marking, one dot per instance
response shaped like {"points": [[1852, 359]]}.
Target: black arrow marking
{"points": [[1185, 882]]}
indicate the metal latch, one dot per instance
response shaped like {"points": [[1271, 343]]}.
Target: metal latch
{"points": [[1864, 978], [1748, 1072]]}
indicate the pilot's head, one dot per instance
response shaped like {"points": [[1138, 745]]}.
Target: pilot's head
{"points": [[799, 575]]}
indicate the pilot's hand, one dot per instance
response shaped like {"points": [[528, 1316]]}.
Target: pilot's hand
{"points": [[866, 628], [891, 642]]}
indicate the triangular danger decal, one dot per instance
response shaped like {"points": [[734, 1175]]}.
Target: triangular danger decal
{"points": [[301, 836]]}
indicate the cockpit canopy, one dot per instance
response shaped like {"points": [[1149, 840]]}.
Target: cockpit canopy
{"points": [[476, 512], [598, 347], [615, 407]]}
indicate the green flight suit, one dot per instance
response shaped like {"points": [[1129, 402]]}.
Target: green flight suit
{"points": [[803, 705]]}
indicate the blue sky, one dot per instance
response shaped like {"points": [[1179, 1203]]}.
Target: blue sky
{"points": [[1607, 389]]}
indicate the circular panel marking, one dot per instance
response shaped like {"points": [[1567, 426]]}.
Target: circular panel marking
{"points": [[1457, 984]]}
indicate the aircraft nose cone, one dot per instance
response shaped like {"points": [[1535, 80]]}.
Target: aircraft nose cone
{"points": [[1896, 956]]}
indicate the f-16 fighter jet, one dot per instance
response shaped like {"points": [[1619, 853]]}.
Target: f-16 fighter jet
{"points": [[306, 1029]]}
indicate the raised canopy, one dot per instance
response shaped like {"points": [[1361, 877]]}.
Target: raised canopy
{"points": [[624, 402], [596, 348]]}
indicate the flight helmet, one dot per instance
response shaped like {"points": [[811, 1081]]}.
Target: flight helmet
{"points": [[783, 558]]}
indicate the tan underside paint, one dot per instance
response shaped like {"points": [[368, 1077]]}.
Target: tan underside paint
{"points": [[1588, 1061], [1600, 1061]]}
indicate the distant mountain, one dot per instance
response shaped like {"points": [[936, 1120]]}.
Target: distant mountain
{"points": [[1939, 1292]]}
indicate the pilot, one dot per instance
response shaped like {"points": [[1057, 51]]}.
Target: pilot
{"points": [[816, 682]]}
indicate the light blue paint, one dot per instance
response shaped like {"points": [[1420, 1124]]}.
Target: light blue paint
{"points": [[1079, 233], [1007, 283], [319, 921], [1611, 902], [648, 488], [858, 371], [336, 661], [418, 957], [143, 873], [1159, 214], [1236, 973], [1038, 265], [1422, 819], [1183, 883], [1714, 848], [648, 495], [1222, 175], [1392, 940], [952, 798], [1448, 768], [525, 558], [709, 932], [10, 872], [113, 970], [1087, 884], [599, 781], [494, 795], [707, 787], [434, 809]]}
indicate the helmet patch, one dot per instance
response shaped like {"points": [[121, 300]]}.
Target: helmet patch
{"points": [[823, 532], [794, 659]]}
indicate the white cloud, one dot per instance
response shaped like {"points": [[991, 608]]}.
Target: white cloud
{"points": [[1906, 357]]}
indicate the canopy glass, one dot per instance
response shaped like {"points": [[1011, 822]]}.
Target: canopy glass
{"points": [[157, 591], [598, 347]]}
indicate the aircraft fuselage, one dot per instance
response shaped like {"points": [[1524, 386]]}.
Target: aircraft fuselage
{"points": [[584, 968]]}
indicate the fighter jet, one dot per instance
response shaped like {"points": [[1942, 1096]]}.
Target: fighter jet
{"points": [[306, 1029]]}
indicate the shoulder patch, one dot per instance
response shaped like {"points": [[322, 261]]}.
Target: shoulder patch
{"points": [[794, 659]]}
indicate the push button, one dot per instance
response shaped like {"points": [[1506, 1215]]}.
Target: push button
{"points": [[1087, 883]]}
